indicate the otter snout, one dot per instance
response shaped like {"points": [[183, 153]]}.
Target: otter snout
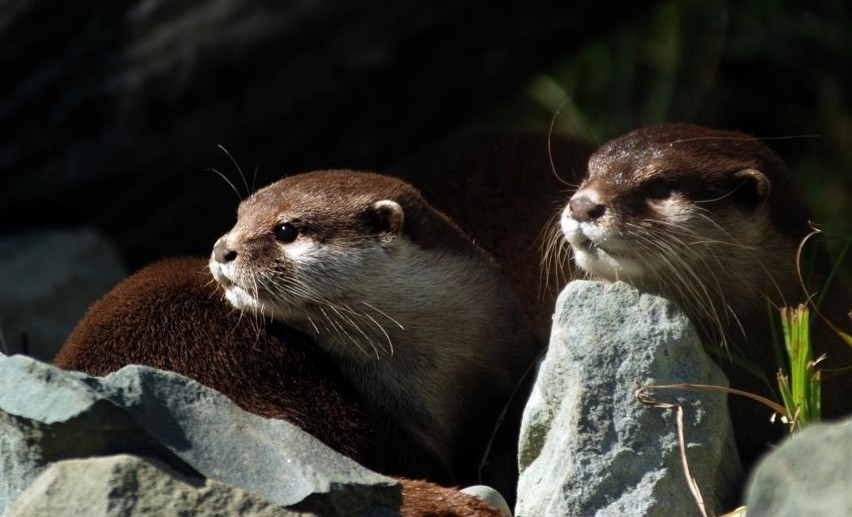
{"points": [[222, 253], [583, 208]]}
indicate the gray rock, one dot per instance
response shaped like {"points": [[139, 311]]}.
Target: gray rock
{"points": [[49, 280], [808, 475], [124, 485], [490, 496], [48, 415], [588, 446]]}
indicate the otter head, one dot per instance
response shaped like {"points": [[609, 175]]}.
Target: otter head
{"points": [[322, 251], [685, 211]]}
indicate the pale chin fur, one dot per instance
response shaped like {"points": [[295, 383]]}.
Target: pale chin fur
{"points": [[236, 295], [586, 241]]}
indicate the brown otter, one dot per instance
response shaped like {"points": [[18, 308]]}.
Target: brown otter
{"points": [[414, 315], [171, 315], [711, 219], [502, 188]]}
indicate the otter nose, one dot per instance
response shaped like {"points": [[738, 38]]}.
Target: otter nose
{"points": [[584, 209], [222, 254]]}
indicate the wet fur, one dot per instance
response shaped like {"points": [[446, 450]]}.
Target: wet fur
{"points": [[711, 219]]}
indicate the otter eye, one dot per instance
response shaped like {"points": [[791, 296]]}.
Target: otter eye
{"points": [[658, 189], [286, 233]]}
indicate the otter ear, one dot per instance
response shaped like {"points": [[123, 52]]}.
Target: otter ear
{"points": [[387, 217], [752, 188]]}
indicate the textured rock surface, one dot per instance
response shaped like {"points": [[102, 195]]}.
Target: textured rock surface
{"points": [[124, 485], [589, 446], [490, 496], [807, 475], [48, 415], [49, 279]]}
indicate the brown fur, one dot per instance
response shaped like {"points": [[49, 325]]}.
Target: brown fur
{"points": [[638, 185], [504, 189], [170, 315], [423, 499], [447, 340], [330, 204], [501, 188]]}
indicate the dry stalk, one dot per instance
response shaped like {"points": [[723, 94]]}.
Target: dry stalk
{"points": [[690, 480]]}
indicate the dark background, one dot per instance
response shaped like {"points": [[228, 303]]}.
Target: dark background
{"points": [[111, 111]]}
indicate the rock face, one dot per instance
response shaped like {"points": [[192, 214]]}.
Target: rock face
{"points": [[807, 475], [588, 446], [47, 415], [49, 279], [89, 487]]}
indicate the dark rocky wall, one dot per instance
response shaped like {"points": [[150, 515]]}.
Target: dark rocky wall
{"points": [[112, 111]]}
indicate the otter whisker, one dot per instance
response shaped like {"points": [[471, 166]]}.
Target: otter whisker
{"points": [[345, 315], [237, 165], [378, 325], [348, 318], [552, 259], [387, 337], [681, 278], [233, 187], [707, 303], [253, 314], [342, 332], [383, 313], [314, 325], [755, 255]]}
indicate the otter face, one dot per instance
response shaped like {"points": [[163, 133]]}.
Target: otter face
{"points": [[656, 210], [638, 231], [298, 250], [685, 212]]}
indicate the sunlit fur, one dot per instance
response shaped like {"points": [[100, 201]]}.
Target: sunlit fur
{"points": [[711, 264], [417, 327], [721, 260], [711, 220], [313, 295]]}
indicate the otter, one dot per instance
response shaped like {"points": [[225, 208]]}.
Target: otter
{"points": [[413, 314], [171, 315], [712, 220], [503, 187]]}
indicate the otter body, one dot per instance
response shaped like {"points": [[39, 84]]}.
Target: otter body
{"points": [[504, 188], [413, 314], [712, 220], [170, 315]]}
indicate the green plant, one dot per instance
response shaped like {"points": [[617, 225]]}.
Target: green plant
{"points": [[800, 387]]}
